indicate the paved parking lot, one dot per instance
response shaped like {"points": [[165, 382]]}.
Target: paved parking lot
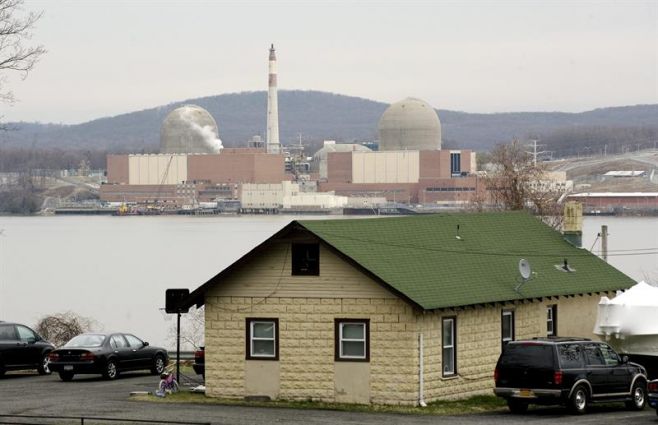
{"points": [[27, 394]]}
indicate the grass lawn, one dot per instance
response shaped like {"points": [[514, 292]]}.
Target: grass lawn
{"points": [[477, 404]]}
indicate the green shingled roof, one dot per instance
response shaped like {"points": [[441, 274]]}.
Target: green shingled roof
{"points": [[422, 258]]}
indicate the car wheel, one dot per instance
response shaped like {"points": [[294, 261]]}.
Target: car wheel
{"points": [[111, 370], [578, 400], [43, 367], [517, 406], [639, 395], [66, 376], [158, 365]]}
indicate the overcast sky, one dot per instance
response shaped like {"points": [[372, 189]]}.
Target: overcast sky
{"points": [[111, 57]]}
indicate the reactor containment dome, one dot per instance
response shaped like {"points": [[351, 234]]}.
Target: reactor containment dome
{"points": [[189, 129], [410, 124]]}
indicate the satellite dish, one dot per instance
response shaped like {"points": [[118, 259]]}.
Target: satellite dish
{"points": [[524, 269]]}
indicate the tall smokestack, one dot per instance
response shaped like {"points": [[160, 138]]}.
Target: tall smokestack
{"points": [[273, 145]]}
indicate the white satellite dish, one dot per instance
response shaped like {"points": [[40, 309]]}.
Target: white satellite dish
{"points": [[524, 269]]}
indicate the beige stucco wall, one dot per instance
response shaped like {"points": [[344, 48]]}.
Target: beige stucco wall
{"points": [[306, 307]]}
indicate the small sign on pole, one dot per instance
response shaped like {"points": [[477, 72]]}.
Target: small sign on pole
{"points": [[173, 299]]}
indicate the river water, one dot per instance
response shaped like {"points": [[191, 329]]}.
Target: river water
{"points": [[115, 270]]}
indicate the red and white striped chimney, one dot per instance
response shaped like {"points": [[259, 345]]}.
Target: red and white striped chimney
{"points": [[273, 145]]}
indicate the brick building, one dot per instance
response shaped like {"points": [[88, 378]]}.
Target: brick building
{"points": [[178, 179], [392, 310], [408, 176]]}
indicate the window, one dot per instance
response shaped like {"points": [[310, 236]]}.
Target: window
{"points": [[262, 339], [609, 356], [26, 334], [134, 342], [7, 333], [305, 259], [532, 355], [352, 340], [507, 326], [570, 356], [117, 341], [551, 320], [455, 164], [593, 355], [449, 358]]}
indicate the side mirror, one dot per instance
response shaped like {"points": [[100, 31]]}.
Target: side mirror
{"points": [[31, 340], [146, 344], [624, 359]]}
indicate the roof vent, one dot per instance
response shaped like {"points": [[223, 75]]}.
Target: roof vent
{"points": [[457, 236], [565, 267]]}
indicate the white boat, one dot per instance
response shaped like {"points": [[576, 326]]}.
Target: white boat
{"points": [[629, 323]]}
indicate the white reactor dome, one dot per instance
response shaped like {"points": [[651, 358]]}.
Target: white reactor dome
{"points": [[410, 124], [189, 129]]}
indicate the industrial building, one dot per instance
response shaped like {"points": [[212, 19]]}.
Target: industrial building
{"points": [[409, 166], [614, 202], [193, 166]]}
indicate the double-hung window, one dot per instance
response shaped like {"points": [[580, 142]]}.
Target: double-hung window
{"points": [[352, 340], [507, 326], [262, 339], [449, 345], [551, 320]]}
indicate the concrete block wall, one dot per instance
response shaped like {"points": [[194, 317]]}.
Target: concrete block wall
{"points": [[307, 369], [479, 340], [306, 346]]}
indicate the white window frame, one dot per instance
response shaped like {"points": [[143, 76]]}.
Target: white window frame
{"points": [[507, 338], [363, 340], [451, 346], [253, 338], [550, 318]]}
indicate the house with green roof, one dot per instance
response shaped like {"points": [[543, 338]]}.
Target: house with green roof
{"points": [[402, 310]]}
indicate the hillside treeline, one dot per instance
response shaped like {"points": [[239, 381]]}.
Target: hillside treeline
{"points": [[586, 141], [316, 116], [23, 160]]}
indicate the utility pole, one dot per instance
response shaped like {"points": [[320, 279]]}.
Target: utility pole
{"points": [[604, 242], [534, 152]]}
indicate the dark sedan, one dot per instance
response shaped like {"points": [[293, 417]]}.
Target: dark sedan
{"points": [[21, 348], [106, 354]]}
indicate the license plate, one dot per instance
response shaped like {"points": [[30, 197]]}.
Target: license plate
{"points": [[69, 367], [526, 393]]}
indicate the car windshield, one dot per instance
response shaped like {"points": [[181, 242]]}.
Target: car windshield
{"points": [[87, 340], [527, 355]]}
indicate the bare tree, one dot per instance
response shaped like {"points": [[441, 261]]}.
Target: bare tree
{"points": [[515, 182], [192, 329], [15, 55], [59, 328]]}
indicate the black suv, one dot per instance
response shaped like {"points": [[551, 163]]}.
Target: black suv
{"points": [[570, 371], [22, 348]]}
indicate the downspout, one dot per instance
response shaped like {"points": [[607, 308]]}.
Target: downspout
{"points": [[421, 372]]}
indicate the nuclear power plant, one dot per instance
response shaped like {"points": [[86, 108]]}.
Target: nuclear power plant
{"points": [[410, 124], [189, 129], [193, 168]]}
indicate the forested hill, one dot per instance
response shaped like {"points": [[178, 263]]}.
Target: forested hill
{"points": [[325, 116]]}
